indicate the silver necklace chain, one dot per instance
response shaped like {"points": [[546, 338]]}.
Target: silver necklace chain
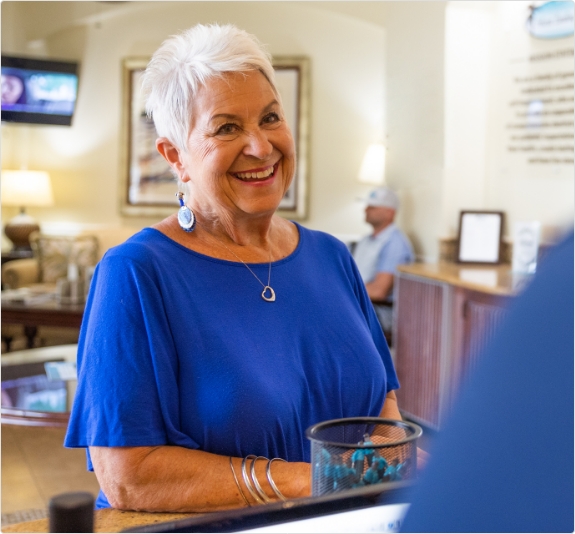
{"points": [[268, 294]]}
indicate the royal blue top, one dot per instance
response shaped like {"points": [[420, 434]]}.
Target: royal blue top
{"points": [[179, 348]]}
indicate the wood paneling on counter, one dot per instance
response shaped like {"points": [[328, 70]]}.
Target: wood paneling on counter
{"points": [[444, 315], [418, 344]]}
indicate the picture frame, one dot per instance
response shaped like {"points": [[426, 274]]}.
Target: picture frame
{"points": [[147, 184], [480, 237]]}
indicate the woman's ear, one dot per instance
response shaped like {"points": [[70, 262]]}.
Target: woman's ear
{"points": [[171, 154]]}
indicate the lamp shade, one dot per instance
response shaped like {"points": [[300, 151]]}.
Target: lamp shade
{"points": [[372, 169], [26, 188]]}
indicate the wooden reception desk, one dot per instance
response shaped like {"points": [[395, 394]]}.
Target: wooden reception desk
{"points": [[108, 520], [444, 315]]}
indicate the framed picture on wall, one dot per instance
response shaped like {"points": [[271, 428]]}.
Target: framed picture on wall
{"points": [[480, 237], [148, 186]]}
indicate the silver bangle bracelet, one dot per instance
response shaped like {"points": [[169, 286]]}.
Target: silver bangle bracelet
{"points": [[257, 485], [238, 483], [247, 481], [271, 480]]}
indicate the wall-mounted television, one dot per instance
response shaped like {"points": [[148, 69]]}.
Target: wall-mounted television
{"points": [[38, 91]]}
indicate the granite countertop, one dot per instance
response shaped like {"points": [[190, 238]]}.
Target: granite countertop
{"points": [[493, 279], [108, 520]]}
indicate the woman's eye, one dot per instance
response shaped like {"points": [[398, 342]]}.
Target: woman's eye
{"points": [[228, 128], [271, 118]]}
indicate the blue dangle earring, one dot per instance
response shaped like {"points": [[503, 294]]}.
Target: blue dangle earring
{"points": [[186, 216]]}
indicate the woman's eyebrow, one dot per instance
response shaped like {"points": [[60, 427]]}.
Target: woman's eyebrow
{"points": [[225, 116], [270, 106], [232, 116]]}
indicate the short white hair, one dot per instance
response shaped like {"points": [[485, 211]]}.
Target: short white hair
{"points": [[185, 62]]}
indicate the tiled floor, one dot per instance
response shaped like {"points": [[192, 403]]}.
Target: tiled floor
{"points": [[35, 467]]}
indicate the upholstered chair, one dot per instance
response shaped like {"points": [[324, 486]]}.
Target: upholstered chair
{"points": [[52, 255]]}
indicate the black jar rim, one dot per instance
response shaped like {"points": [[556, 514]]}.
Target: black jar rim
{"points": [[415, 430]]}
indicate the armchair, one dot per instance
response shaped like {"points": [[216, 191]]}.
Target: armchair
{"points": [[52, 254], [23, 273]]}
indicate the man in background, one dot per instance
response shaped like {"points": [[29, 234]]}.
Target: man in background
{"points": [[378, 254]]}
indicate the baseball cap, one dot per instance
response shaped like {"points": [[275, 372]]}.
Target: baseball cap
{"points": [[382, 197]]}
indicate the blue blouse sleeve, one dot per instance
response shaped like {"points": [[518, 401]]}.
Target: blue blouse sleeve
{"points": [[127, 391]]}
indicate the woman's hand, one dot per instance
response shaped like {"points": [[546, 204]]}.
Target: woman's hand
{"points": [[390, 410], [176, 479]]}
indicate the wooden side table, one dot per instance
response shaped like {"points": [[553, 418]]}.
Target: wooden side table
{"points": [[50, 313]]}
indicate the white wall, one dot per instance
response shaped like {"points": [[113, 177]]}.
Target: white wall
{"points": [[544, 192], [449, 80], [487, 47], [415, 35], [347, 75], [467, 77]]}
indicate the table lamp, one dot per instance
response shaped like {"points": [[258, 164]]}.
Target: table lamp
{"points": [[24, 188], [372, 169]]}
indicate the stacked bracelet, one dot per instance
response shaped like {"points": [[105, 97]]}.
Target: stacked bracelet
{"points": [[247, 480], [257, 486], [238, 483], [271, 480], [251, 481]]}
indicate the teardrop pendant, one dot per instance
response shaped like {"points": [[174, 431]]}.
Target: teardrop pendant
{"points": [[272, 294]]}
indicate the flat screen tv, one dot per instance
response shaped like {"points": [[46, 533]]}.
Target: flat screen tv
{"points": [[38, 91]]}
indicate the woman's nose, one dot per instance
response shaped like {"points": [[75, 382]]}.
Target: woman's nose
{"points": [[258, 144]]}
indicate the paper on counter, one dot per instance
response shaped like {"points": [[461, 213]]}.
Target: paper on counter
{"points": [[482, 277]]}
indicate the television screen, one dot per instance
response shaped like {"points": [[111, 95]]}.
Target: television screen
{"points": [[38, 91]]}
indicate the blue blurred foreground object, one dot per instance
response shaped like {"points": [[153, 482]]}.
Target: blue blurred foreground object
{"points": [[504, 462]]}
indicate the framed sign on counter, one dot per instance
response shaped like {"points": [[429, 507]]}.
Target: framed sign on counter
{"points": [[147, 185], [480, 237]]}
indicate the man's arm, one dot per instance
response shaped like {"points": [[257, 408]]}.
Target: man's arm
{"points": [[380, 287]]}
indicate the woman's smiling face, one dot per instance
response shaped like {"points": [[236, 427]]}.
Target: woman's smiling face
{"points": [[240, 152]]}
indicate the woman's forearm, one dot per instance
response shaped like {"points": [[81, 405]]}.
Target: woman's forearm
{"points": [[390, 408], [176, 479]]}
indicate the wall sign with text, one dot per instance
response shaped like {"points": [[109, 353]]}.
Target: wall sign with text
{"points": [[551, 20]]}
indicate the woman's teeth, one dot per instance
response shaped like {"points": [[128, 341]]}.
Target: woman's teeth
{"points": [[255, 175]]}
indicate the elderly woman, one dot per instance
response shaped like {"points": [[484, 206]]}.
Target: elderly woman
{"points": [[214, 339]]}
